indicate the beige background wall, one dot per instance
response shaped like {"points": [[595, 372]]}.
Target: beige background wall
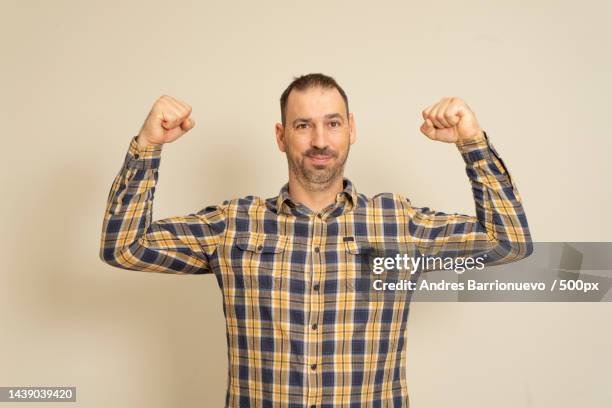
{"points": [[79, 77]]}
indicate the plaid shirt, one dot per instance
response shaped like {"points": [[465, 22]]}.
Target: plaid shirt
{"points": [[304, 326]]}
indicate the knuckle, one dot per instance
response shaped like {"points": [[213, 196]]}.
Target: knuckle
{"points": [[162, 100]]}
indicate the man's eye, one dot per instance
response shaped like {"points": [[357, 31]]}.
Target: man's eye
{"points": [[335, 123], [302, 125]]}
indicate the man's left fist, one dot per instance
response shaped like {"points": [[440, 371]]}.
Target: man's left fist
{"points": [[452, 121]]}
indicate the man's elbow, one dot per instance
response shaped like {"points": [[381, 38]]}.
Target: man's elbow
{"points": [[522, 250], [109, 256], [504, 252], [516, 250]]}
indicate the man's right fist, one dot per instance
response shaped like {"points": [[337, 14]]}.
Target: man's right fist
{"points": [[168, 120]]}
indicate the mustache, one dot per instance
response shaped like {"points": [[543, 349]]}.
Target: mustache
{"points": [[320, 152]]}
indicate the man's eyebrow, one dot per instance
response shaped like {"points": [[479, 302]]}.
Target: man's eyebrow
{"points": [[301, 120], [333, 115], [328, 116]]}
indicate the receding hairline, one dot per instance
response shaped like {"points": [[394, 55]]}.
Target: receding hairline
{"points": [[306, 82], [309, 88]]}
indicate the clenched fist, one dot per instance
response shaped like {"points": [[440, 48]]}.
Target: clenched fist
{"points": [[168, 120], [452, 121]]}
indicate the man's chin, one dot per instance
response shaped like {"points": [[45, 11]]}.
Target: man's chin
{"points": [[322, 176], [321, 166]]}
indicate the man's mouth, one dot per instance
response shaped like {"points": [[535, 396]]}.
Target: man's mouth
{"points": [[319, 159]]}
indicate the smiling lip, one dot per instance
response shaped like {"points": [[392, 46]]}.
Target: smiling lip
{"points": [[320, 159]]}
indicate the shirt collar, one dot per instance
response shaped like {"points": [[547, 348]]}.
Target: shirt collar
{"points": [[348, 193]]}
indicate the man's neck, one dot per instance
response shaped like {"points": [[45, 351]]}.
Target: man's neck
{"points": [[314, 196]]}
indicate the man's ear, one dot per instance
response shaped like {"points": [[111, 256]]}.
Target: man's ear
{"points": [[280, 136], [352, 129]]}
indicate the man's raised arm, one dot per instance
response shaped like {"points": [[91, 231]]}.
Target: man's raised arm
{"points": [[500, 227], [130, 240]]}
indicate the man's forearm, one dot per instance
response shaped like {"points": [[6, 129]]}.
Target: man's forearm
{"points": [[129, 206], [499, 208]]}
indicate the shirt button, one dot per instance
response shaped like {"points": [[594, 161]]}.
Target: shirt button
{"points": [[136, 155], [314, 326], [313, 367], [320, 215], [313, 406], [317, 249], [316, 287], [259, 247]]}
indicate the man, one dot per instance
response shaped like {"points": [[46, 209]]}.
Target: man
{"points": [[302, 328]]}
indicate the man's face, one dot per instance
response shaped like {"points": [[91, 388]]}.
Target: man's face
{"points": [[317, 135]]}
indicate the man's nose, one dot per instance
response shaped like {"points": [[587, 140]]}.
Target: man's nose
{"points": [[319, 138]]}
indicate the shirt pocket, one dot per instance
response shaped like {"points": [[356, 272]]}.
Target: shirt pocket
{"points": [[358, 276], [260, 259], [372, 263]]}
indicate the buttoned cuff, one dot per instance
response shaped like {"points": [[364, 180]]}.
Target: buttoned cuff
{"points": [[147, 158], [477, 149]]}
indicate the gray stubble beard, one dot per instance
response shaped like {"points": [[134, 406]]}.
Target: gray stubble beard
{"points": [[317, 180]]}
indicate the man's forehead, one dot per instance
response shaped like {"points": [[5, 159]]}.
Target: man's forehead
{"points": [[315, 100]]}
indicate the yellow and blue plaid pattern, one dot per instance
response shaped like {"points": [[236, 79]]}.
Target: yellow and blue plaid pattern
{"points": [[304, 326]]}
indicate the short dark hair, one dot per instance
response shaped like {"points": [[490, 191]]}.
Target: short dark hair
{"points": [[310, 81]]}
